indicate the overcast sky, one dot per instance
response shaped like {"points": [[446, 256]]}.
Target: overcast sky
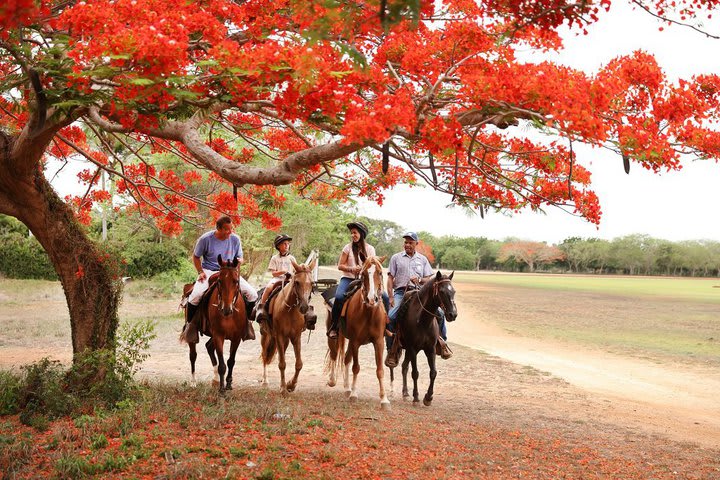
{"points": [[674, 206]]}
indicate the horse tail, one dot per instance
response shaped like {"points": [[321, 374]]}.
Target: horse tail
{"points": [[268, 349], [335, 354]]}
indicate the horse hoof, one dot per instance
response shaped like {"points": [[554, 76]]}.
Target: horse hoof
{"points": [[416, 401], [228, 387], [290, 388], [353, 398], [331, 383], [385, 405], [427, 402], [348, 393]]}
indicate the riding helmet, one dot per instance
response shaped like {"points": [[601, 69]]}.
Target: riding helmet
{"points": [[360, 226], [281, 238]]}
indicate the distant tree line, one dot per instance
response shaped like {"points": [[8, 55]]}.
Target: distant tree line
{"points": [[629, 255], [141, 251]]}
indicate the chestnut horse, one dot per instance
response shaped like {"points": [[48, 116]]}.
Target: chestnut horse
{"points": [[418, 328], [291, 315], [365, 322], [225, 311]]}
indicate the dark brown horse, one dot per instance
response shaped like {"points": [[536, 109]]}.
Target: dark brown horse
{"points": [[224, 309], [365, 322], [291, 315], [418, 328]]}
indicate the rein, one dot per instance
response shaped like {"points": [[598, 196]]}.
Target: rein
{"points": [[219, 288], [297, 297], [435, 290]]}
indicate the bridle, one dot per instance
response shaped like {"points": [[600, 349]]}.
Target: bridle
{"points": [[379, 287], [220, 304], [298, 298], [434, 295]]}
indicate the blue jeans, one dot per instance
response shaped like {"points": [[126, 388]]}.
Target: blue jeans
{"points": [[340, 292], [397, 298]]}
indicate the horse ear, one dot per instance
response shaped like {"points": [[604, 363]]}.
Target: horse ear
{"points": [[220, 260], [235, 262], [312, 264], [295, 265], [451, 275], [438, 275], [382, 259]]}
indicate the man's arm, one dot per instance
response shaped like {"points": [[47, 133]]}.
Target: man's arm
{"points": [[198, 266], [390, 289]]}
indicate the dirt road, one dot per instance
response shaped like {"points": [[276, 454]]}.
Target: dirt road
{"points": [[678, 401]]}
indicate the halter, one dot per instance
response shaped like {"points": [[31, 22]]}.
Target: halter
{"points": [[435, 291], [379, 288], [297, 297], [219, 287]]}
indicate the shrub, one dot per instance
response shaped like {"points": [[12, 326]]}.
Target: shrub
{"points": [[10, 388], [24, 257]]}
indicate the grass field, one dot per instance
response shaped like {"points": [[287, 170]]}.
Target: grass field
{"points": [[663, 319], [692, 289]]}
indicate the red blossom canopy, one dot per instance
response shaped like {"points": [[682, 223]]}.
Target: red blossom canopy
{"points": [[338, 99]]}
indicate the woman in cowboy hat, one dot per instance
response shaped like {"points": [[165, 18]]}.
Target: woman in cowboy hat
{"points": [[351, 260], [280, 264]]}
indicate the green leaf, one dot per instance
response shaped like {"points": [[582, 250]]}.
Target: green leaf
{"points": [[144, 82]]}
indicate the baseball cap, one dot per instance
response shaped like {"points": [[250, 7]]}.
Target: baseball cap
{"points": [[411, 235]]}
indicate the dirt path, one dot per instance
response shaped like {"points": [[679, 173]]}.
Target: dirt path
{"points": [[495, 376], [680, 402]]}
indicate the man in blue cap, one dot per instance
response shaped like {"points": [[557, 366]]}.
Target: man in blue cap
{"points": [[410, 267]]}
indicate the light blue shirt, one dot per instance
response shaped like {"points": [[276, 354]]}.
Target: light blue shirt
{"points": [[403, 267], [208, 247]]}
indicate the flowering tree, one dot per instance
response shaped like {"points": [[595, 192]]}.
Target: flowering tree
{"points": [[335, 98], [531, 254]]}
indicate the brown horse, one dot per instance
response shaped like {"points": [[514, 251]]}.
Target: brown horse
{"points": [[365, 322], [291, 315], [225, 311], [418, 328]]}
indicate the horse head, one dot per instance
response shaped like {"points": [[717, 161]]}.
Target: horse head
{"points": [[371, 276], [302, 286], [228, 285], [444, 292]]}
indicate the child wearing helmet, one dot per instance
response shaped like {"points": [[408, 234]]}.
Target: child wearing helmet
{"points": [[280, 265]]}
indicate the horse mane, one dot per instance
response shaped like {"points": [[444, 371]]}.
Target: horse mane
{"points": [[405, 305]]}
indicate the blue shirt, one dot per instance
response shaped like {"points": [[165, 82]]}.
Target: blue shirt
{"points": [[403, 267], [209, 247]]}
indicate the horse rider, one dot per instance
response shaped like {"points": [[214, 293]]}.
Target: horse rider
{"points": [[410, 268], [352, 257], [280, 265], [223, 242]]}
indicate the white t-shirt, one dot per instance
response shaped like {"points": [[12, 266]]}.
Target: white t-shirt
{"points": [[369, 252]]}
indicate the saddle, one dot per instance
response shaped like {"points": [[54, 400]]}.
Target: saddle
{"points": [[276, 287], [201, 310]]}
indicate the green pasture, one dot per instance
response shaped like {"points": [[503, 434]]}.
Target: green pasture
{"points": [[661, 319], [691, 289]]}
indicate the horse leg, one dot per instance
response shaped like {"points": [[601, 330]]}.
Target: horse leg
{"points": [[430, 354], [193, 357], [230, 364], [210, 347], [218, 344], [346, 370], [298, 362], [392, 382], [380, 372], [282, 345], [415, 376], [405, 363], [354, 347]]}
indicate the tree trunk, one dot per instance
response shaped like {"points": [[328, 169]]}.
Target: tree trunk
{"points": [[91, 292]]}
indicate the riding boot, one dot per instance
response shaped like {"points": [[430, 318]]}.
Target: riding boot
{"points": [[393, 355], [249, 330], [190, 331], [333, 330], [442, 349]]}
